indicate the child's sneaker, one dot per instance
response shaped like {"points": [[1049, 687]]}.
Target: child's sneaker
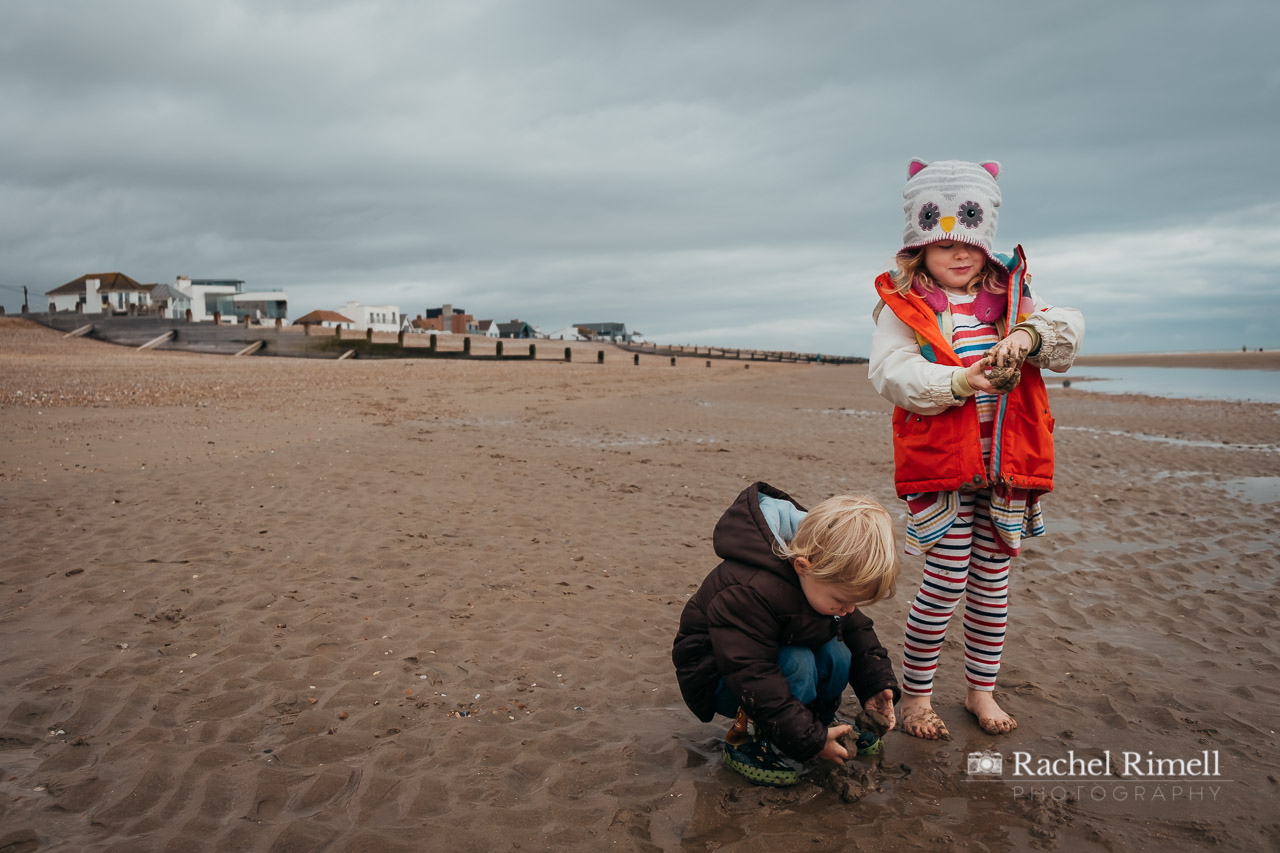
{"points": [[755, 760]]}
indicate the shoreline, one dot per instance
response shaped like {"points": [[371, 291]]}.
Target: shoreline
{"points": [[1266, 360]]}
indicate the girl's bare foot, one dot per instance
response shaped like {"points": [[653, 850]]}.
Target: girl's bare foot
{"points": [[992, 718], [920, 720]]}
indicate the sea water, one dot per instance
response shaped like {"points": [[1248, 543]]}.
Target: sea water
{"points": [[1197, 383]]}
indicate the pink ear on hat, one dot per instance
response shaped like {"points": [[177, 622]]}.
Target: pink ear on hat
{"points": [[914, 167], [993, 167]]}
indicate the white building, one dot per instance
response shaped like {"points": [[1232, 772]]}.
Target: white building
{"points": [[227, 297], [98, 293], [380, 318]]}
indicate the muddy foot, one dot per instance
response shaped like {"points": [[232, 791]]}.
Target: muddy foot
{"points": [[920, 720], [991, 717]]}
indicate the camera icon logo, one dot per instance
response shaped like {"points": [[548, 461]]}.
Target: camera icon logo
{"points": [[985, 763]]}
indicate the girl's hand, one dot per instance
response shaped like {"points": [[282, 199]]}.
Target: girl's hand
{"points": [[977, 377], [833, 751], [1011, 351]]}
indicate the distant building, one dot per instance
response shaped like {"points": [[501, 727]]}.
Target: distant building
{"points": [[98, 293], [170, 302], [516, 329], [116, 293], [488, 328], [604, 331], [328, 319], [226, 296], [380, 318], [447, 319]]}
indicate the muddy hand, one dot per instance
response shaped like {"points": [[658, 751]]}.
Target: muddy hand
{"points": [[1007, 353]]}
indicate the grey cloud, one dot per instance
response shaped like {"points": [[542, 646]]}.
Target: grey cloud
{"points": [[743, 161]]}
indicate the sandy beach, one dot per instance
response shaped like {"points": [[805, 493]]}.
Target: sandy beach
{"points": [[284, 604]]}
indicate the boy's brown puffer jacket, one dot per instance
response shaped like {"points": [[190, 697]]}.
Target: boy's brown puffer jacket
{"points": [[745, 611]]}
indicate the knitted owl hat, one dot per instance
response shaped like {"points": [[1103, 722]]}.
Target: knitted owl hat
{"points": [[951, 200]]}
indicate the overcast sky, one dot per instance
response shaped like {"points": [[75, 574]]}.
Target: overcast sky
{"points": [[707, 172]]}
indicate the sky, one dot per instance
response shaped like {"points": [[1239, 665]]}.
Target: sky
{"points": [[718, 173]]}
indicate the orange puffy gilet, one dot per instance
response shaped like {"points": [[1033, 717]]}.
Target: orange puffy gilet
{"points": [[943, 452]]}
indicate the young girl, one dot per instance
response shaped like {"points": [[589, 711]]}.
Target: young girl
{"points": [[972, 433]]}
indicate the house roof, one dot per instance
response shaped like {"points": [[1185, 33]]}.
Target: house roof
{"points": [[108, 282], [164, 291], [321, 316], [483, 325], [513, 326]]}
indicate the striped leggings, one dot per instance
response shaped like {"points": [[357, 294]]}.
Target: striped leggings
{"points": [[966, 563]]}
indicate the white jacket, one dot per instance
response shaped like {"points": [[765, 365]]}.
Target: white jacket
{"points": [[904, 377]]}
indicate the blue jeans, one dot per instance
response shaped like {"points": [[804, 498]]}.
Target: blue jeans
{"points": [[815, 675]]}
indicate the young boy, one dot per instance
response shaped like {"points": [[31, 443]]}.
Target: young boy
{"points": [[774, 633]]}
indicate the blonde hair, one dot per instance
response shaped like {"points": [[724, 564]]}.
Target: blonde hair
{"points": [[911, 272], [848, 540]]}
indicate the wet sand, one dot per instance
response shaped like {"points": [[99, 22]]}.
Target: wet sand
{"points": [[278, 604]]}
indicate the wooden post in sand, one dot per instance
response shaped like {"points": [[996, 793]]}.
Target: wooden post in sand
{"points": [[673, 361], [279, 324], [600, 357], [636, 359], [533, 351], [217, 318], [499, 349], [568, 354], [708, 362], [368, 335], [433, 343], [466, 346]]}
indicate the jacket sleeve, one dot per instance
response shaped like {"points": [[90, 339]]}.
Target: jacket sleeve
{"points": [[1061, 332], [744, 637], [903, 376], [870, 670]]}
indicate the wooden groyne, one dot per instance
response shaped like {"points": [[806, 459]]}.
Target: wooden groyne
{"points": [[691, 351], [245, 339]]}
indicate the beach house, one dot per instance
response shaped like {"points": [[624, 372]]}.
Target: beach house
{"points": [[100, 293], [604, 331], [446, 319], [327, 319], [228, 298], [380, 318], [516, 329]]}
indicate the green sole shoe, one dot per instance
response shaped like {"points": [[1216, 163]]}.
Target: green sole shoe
{"points": [[756, 762]]}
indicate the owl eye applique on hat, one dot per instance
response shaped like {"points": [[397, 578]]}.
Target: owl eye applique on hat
{"points": [[929, 216], [969, 213]]}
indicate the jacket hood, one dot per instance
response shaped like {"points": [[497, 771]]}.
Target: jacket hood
{"points": [[746, 535]]}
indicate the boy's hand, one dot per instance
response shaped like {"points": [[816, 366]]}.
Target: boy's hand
{"points": [[882, 703], [833, 751]]}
